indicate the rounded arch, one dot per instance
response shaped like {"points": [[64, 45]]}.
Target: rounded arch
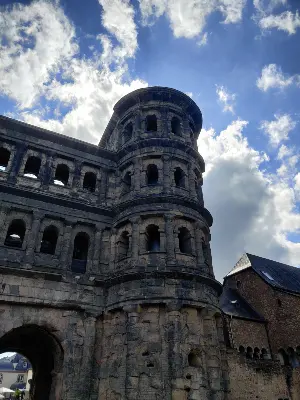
{"points": [[176, 126], [32, 167], [152, 238], [80, 252], [185, 240], [152, 174], [4, 158], [43, 351], [89, 181], [15, 233], [151, 123], [179, 177], [61, 175], [49, 240]]}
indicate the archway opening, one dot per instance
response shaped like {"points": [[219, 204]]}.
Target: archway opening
{"points": [[179, 177], [80, 252], [152, 174], [89, 182], [49, 240], [151, 123], [175, 126], [61, 175], [37, 347], [152, 238], [32, 167], [4, 158], [15, 233], [185, 242], [123, 245]]}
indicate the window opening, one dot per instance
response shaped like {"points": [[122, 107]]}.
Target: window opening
{"points": [[4, 158], [242, 349], [153, 238], [185, 245], [123, 245], [32, 167], [49, 240], [80, 252], [179, 177], [249, 353], [151, 123], [152, 174], [126, 182], [15, 234], [89, 182], [256, 353], [175, 126], [194, 359], [127, 133], [61, 175]]}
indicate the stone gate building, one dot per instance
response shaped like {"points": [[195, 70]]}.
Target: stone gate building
{"points": [[107, 284]]}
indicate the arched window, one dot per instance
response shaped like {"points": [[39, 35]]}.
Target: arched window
{"points": [[123, 245], [179, 177], [127, 133], [264, 354], [242, 350], [49, 240], [175, 126], [152, 238], [194, 359], [151, 123], [61, 175], [185, 241], [249, 353], [283, 357], [152, 174], [293, 359], [126, 182], [80, 252], [32, 167], [89, 181], [4, 158], [15, 233], [256, 353]]}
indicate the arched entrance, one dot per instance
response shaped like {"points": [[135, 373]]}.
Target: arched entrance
{"points": [[44, 353]]}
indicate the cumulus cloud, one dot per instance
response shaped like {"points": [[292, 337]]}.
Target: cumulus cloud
{"points": [[37, 41], [286, 21], [279, 129], [273, 77], [267, 6], [226, 98], [188, 18], [253, 211], [40, 41]]}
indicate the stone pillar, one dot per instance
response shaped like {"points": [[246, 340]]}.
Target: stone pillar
{"points": [[187, 131], [32, 237], [97, 249], [103, 185], [191, 182], [167, 173], [66, 244], [76, 177], [137, 175], [17, 162], [3, 221], [170, 245], [198, 240], [137, 125], [208, 257], [135, 239], [113, 249], [164, 122], [46, 173]]}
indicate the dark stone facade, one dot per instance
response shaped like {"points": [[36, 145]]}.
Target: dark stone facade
{"points": [[107, 284]]}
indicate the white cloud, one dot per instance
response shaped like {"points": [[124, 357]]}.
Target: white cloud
{"points": [[188, 18], [297, 181], [267, 6], [253, 211], [37, 41], [284, 151], [226, 99], [273, 77], [190, 94], [286, 21], [89, 88], [279, 129]]}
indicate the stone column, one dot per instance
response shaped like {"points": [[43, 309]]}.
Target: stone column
{"points": [[66, 244], [135, 239], [32, 237], [137, 175], [103, 185], [76, 177], [170, 245], [137, 125], [198, 240], [3, 221], [97, 249], [113, 249], [167, 173], [164, 122], [191, 182], [187, 131], [17, 162]]}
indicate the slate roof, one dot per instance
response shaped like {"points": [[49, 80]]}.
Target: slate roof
{"points": [[232, 303], [276, 274]]}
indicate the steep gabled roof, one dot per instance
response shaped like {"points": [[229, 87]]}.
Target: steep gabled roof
{"points": [[232, 303], [276, 274]]}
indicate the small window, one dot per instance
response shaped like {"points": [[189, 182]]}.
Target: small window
{"points": [[175, 126], [4, 158], [264, 354], [61, 175], [123, 245], [89, 182], [152, 238], [126, 182], [20, 378], [179, 178], [151, 123], [32, 167], [152, 174], [249, 353], [185, 245], [49, 240], [256, 353], [15, 234], [242, 350], [194, 359], [81, 246], [283, 357], [127, 133]]}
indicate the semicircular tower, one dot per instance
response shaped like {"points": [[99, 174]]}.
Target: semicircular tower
{"points": [[163, 321]]}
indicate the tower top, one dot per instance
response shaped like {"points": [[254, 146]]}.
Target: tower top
{"points": [[155, 94]]}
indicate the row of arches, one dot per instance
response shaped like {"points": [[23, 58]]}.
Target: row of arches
{"points": [[32, 169], [151, 125], [289, 357], [16, 233], [255, 354]]}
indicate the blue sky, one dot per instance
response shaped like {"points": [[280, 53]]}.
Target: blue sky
{"points": [[63, 65]]}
